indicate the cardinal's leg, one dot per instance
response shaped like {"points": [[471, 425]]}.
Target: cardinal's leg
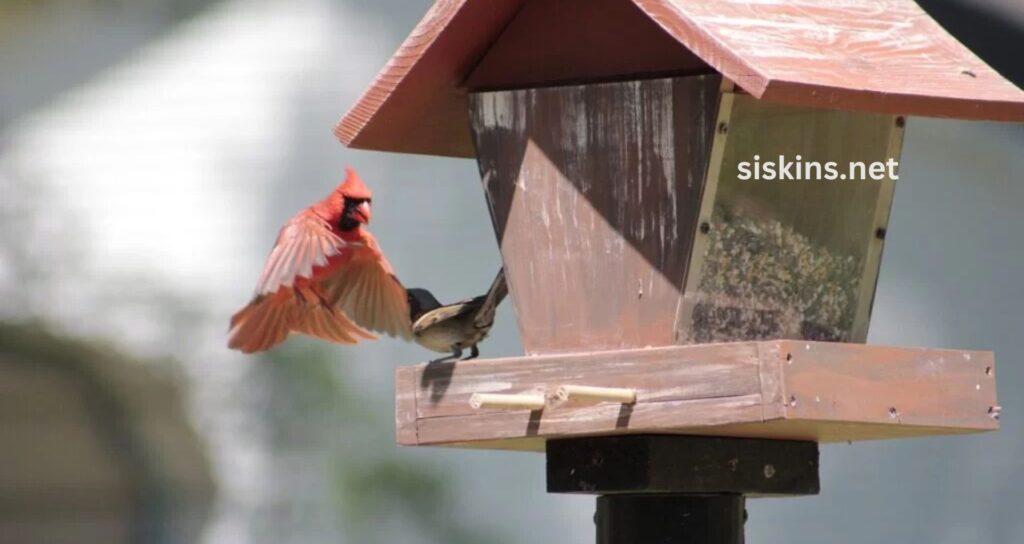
{"points": [[474, 352]]}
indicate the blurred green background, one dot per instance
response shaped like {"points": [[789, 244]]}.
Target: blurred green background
{"points": [[150, 150]]}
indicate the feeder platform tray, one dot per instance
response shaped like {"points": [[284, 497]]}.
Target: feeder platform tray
{"points": [[777, 389]]}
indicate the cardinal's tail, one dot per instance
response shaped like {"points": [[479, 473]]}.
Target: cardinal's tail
{"points": [[268, 320], [263, 323], [329, 323]]}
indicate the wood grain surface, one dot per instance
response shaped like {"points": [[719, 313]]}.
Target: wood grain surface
{"points": [[658, 374], [569, 41], [921, 387], [885, 56], [594, 191], [780, 389], [405, 405]]}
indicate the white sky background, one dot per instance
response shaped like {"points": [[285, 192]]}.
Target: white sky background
{"points": [[165, 160], [174, 170]]}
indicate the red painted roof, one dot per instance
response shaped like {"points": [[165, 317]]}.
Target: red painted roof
{"points": [[869, 55]]}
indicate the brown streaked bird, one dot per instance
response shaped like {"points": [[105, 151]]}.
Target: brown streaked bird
{"points": [[325, 277], [454, 327]]}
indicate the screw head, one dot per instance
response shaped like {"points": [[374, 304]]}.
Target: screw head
{"points": [[995, 411]]}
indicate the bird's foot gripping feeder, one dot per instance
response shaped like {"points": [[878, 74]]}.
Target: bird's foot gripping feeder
{"points": [[644, 257]]}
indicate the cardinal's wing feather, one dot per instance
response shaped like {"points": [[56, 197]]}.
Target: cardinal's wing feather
{"points": [[366, 289], [305, 242]]}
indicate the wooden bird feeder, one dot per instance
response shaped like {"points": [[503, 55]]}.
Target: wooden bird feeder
{"points": [[678, 317]]}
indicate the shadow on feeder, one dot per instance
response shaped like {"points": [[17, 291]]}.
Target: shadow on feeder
{"points": [[436, 378]]}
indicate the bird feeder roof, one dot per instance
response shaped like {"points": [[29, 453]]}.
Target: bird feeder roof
{"points": [[885, 56]]}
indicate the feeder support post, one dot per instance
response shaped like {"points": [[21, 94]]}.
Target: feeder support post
{"points": [[677, 489], [670, 518]]}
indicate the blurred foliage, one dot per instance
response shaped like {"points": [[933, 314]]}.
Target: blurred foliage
{"points": [[35, 341], [379, 495], [133, 408]]}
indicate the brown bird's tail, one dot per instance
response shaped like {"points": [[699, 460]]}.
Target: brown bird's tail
{"points": [[499, 289]]}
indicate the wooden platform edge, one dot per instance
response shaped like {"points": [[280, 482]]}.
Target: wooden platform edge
{"points": [[405, 406], [778, 389]]}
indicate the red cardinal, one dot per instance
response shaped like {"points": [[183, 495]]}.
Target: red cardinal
{"points": [[326, 277]]}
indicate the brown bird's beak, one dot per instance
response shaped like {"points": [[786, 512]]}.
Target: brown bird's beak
{"points": [[362, 212]]}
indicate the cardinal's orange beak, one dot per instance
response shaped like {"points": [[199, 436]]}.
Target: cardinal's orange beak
{"points": [[362, 212]]}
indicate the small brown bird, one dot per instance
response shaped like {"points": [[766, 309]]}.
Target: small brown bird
{"points": [[454, 327]]}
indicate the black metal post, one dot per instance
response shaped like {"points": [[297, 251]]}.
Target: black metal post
{"points": [[670, 519], [674, 489]]}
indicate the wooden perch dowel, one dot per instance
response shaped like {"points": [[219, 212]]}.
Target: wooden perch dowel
{"points": [[507, 402], [595, 395]]}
